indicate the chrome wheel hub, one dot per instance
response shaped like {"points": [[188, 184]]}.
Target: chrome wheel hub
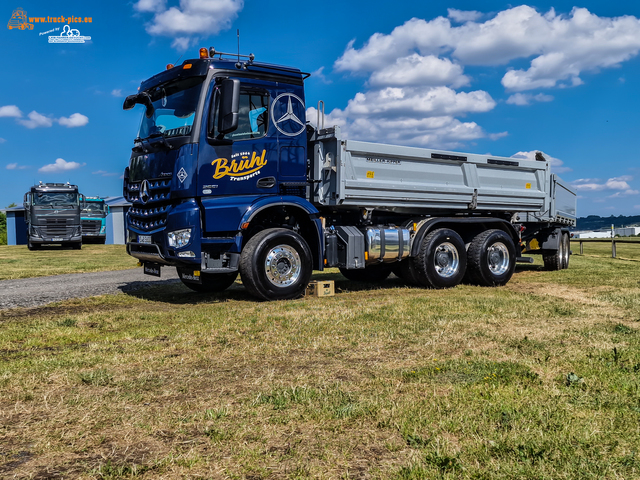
{"points": [[498, 258], [446, 260], [283, 266]]}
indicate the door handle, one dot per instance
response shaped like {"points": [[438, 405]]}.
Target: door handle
{"points": [[266, 182]]}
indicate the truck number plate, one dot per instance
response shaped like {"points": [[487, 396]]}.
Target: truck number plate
{"points": [[57, 239], [152, 269], [144, 239]]}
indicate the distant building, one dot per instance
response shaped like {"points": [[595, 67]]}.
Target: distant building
{"points": [[622, 232], [116, 231], [598, 234]]}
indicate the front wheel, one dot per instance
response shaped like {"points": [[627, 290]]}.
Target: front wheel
{"points": [[209, 282], [32, 246], [441, 261], [276, 264], [491, 258]]}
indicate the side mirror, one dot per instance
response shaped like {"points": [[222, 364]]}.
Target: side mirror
{"points": [[83, 201], [229, 106], [26, 201], [107, 210], [141, 98]]}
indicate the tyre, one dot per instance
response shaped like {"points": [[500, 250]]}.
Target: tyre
{"points": [[210, 282], [491, 258], [554, 260], [276, 264], [406, 271], [371, 273], [77, 246], [32, 246], [441, 261], [566, 250]]}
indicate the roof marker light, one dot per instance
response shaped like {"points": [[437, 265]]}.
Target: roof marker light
{"points": [[169, 66], [204, 53], [187, 66]]}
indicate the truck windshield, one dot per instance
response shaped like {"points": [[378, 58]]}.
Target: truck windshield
{"points": [[175, 105], [94, 207], [55, 199]]}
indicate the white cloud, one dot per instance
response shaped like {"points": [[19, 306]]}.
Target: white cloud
{"points": [[75, 120], [321, 76], [36, 120], [462, 16], [60, 165], [150, 5], [181, 43], [116, 92], [192, 17], [563, 46], [526, 98], [2, 140], [104, 173], [10, 111], [557, 165], [414, 74], [15, 166], [418, 70], [615, 183]]}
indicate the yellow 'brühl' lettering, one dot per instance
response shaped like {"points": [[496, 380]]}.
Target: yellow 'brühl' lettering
{"points": [[238, 167]]}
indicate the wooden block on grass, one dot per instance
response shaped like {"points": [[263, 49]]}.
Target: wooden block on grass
{"points": [[321, 289]]}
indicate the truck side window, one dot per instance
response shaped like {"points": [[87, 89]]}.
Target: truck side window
{"points": [[253, 121]]}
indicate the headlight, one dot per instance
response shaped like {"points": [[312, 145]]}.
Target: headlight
{"points": [[179, 238]]}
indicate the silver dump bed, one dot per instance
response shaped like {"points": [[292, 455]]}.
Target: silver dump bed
{"points": [[348, 173]]}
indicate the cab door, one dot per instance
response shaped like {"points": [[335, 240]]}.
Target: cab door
{"points": [[244, 161]]}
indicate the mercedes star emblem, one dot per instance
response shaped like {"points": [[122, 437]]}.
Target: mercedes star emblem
{"points": [[144, 192], [288, 123]]}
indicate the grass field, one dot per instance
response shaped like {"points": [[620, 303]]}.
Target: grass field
{"points": [[537, 379], [18, 262]]}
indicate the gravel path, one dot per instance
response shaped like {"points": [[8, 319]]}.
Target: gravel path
{"points": [[33, 292]]}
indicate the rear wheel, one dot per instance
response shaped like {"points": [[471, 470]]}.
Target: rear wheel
{"points": [[554, 260], [566, 250], [370, 273], [276, 264], [441, 261], [491, 258], [210, 282]]}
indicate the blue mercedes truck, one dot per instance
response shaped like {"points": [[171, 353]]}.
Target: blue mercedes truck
{"points": [[227, 176]]}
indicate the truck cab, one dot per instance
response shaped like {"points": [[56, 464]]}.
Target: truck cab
{"points": [[217, 140], [52, 215], [94, 220]]}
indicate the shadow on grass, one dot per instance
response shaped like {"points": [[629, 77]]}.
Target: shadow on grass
{"points": [[174, 292]]}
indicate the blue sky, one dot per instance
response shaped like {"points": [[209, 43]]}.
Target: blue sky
{"points": [[482, 77]]}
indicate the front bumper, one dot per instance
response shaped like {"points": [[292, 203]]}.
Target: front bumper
{"points": [[44, 240]]}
